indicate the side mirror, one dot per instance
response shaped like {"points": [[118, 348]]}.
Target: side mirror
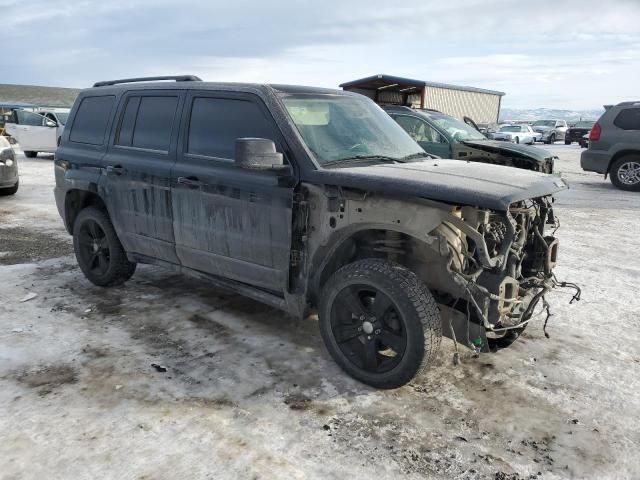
{"points": [[50, 123], [259, 154]]}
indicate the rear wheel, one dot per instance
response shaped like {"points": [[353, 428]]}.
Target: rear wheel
{"points": [[625, 173], [98, 250], [517, 140], [567, 142], [379, 322], [10, 190], [30, 154]]}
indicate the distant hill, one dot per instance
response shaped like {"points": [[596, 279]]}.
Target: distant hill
{"points": [[507, 114], [36, 95]]}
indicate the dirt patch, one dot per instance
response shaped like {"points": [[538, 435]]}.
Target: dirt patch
{"points": [[21, 245], [211, 326], [297, 401], [49, 376]]}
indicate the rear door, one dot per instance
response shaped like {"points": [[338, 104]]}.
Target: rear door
{"points": [[228, 221], [138, 165]]}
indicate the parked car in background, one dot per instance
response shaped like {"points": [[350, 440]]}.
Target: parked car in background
{"points": [[309, 200], [36, 132], [577, 131], [8, 168], [448, 137], [614, 146], [551, 130], [515, 134]]}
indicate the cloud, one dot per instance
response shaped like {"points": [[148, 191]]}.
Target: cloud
{"points": [[546, 52]]}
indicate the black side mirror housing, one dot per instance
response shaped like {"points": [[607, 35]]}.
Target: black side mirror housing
{"points": [[259, 154]]}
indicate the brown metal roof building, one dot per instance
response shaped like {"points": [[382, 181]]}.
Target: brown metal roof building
{"points": [[483, 106]]}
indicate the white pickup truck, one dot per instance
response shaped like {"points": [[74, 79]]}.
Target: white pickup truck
{"points": [[37, 131]]}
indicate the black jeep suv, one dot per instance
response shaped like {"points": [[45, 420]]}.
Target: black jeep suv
{"points": [[310, 200]]}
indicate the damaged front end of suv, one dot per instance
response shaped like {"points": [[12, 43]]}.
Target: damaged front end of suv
{"points": [[488, 266], [504, 268]]}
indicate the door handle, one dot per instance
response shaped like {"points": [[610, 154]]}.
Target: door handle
{"points": [[191, 182], [117, 169]]}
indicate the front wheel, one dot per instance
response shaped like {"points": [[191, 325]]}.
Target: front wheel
{"points": [[517, 140], [98, 250], [379, 322], [567, 142], [625, 173]]}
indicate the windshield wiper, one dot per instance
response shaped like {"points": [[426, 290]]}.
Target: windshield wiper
{"points": [[359, 158], [417, 155]]}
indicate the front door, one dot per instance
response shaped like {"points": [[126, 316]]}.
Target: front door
{"points": [[138, 165], [228, 221], [33, 134], [425, 135]]}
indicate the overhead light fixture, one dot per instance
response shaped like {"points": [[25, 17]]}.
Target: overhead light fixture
{"points": [[407, 89], [388, 86]]}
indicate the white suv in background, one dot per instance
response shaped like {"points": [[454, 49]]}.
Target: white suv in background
{"points": [[37, 131]]}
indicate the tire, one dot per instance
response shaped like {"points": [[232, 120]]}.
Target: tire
{"points": [[567, 142], [552, 139], [396, 307], [98, 250], [517, 139], [625, 173], [10, 190], [30, 154]]}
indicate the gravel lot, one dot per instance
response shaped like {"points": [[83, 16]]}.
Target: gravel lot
{"points": [[250, 393]]}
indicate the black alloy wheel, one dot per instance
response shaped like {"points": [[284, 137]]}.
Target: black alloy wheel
{"points": [[93, 248], [368, 328], [99, 252], [379, 322]]}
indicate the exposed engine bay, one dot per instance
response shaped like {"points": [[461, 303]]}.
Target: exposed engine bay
{"points": [[508, 271]]}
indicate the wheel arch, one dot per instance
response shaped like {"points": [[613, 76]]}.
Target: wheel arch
{"points": [[373, 240], [620, 154], [77, 199]]}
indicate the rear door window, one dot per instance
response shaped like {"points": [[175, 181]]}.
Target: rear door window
{"points": [[147, 122], [91, 120], [628, 119], [216, 123]]}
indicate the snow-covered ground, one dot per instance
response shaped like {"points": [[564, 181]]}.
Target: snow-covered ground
{"points": [[250, 393]]}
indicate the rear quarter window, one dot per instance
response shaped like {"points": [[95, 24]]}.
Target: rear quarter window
{"points": [[91, 119], [628, 119]]}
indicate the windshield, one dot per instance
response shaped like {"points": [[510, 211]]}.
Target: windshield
{"points": [[584, 124], [62, 117], [341, 127], [457, 130], [544, 123], [510, 128]]}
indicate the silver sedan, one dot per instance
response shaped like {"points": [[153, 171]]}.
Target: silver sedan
{"points": [[516, 134]]}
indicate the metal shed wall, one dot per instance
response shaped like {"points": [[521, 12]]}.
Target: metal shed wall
{"points": [[479, 106]]}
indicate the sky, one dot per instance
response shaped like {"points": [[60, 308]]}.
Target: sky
{"points": [[569, 54]]}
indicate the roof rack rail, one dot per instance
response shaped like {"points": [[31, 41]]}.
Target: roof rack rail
{"points": [[177, 78]]}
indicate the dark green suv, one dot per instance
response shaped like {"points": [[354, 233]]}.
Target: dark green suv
{"points": [[448, 137]]}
